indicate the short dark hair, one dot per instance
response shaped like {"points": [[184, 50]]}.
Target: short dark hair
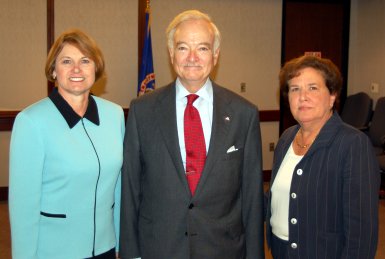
{"points": [[328, 69]]}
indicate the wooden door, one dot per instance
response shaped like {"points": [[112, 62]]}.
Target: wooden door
{"points": [[315, 26]]}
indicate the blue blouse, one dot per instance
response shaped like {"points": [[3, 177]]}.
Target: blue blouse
{"points": [[64, 190]]}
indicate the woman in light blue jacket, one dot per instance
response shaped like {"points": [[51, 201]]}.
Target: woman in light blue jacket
{"points": [[65, 161]]}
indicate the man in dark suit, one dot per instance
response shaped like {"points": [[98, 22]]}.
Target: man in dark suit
{"points": [[176, 201]]}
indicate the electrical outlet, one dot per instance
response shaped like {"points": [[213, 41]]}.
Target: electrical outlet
{"points": [[271, 147], [374, 88], [243, 87]]}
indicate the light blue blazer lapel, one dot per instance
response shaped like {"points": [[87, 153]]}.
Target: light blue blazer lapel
{"points": [[166, 120], [222, 116]]}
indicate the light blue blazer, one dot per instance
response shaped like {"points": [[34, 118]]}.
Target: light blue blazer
{"points": [[64, 189]]}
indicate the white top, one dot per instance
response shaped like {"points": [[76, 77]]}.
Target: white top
{"points": [[280, 192], [204, 105]]}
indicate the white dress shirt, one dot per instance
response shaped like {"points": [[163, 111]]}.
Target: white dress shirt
{"points": [[204, 105]]}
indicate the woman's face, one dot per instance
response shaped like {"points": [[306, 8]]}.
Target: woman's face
{"points": [[75, 73], [309, 98]]}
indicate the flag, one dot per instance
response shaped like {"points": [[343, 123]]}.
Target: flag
{"points": [[146, 80]]}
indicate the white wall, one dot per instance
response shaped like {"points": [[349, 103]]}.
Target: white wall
{"points": [[367, 47], [114, 26], [250, 51], [22, 52]]}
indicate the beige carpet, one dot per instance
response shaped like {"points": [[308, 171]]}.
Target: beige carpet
{"points": [[5, 242]]}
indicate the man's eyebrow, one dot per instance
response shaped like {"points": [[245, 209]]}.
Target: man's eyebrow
{"points": [[202, 43]]}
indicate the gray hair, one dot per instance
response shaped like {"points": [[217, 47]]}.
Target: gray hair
{"points": [[188, 16]]}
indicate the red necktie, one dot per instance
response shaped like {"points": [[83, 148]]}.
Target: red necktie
{"points": [[194, 142]]}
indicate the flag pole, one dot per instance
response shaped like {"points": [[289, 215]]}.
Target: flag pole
{"points": [[146, 78]]}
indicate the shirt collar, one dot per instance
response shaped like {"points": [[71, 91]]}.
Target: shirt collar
{"points": [[206, 91], [69, 114]]}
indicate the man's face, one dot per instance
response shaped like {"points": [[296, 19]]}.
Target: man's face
{"points": [[193, 56]]}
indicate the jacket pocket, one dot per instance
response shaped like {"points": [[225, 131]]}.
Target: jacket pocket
{"points": [[238, 154], [52, 215]]}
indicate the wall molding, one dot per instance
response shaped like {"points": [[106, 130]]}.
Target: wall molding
{"points": [[266, 175], [7, 118], [4, 193], [269, 115]]}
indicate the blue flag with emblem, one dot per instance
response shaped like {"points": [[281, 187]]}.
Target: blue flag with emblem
{"points": [[146, 80]]}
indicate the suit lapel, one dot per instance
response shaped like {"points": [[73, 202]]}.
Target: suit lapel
{"points": [[166, 120], [222, 117]]}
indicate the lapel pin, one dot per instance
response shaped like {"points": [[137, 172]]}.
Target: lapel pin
{"points": [[227, 118]]}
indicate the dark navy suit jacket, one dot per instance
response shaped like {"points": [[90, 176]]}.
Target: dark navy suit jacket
{"points": [[160, 218], [333, 194]]}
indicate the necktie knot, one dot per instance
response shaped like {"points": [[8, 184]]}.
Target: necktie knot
{"points": [[191, 98]]}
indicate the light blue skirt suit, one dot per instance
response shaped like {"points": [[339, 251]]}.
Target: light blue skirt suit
{"points": [[64, 190]]}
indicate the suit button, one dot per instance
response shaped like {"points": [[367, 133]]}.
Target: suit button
{"points": [[186, 233], [299, 171], [294, 195], [293, 221], [191, 206], [293, 245]]}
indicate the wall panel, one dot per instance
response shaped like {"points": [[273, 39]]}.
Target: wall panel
{"points": [[22, 52], [113, 24]]}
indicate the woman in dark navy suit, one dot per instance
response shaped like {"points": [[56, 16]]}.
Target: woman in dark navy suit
{"points": [[323, 197]]}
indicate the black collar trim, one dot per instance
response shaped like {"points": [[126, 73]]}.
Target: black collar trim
{"points": [[69, 114]]}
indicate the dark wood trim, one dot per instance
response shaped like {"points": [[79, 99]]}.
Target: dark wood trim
{"points": [[142, 4], [125, 111], [328, 33], [7, 119], [4, 193], [50, 23], [266, 175], [345, 53], [50, 34], [264, 116], [269, 115]]}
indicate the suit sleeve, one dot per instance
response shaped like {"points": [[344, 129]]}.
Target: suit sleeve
{"points": [[25, 183], [130, 201], [118, 192], [360, 200], [252, 190]]}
